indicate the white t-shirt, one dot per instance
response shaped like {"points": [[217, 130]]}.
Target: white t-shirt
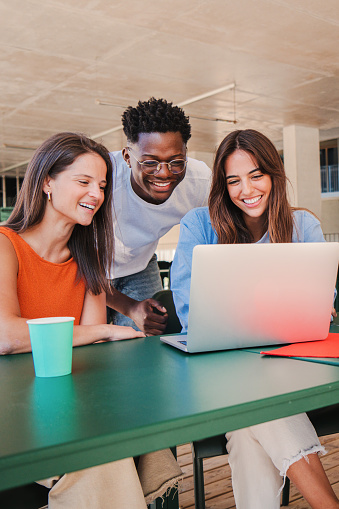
{"points": [[138, 225]]}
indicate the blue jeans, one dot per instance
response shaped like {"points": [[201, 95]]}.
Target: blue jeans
{"points": [[140, 286]]}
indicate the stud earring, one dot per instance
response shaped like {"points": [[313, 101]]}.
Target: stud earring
{"points": [[49, 196]]}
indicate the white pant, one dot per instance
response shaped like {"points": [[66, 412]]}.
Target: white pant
{"points": [[260, 456], [113, 485]]}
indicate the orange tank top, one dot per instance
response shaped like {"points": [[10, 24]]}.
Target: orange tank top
{"points": [[46, 288]]}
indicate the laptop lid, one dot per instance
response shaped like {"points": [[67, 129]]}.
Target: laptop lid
{"points": [[245, 295]]}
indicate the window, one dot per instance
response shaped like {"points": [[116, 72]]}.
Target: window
{"points": [[329, 168]]}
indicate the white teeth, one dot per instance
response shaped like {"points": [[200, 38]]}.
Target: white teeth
{"points": [[253, 200], [161, 184], [87, 206]]}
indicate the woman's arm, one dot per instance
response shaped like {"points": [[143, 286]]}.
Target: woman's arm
{"points": [[195, 229], [93, 326], [14, 335]]}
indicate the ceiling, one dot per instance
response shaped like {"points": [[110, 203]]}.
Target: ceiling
{"points": [[76, 64]]}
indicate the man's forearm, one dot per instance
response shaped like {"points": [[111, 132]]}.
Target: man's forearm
{"points": [[120, 302], [145, 314]]}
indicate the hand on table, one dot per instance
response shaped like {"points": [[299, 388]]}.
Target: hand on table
{"points": [[120, 332]]}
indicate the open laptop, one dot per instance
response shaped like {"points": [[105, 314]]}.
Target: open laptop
{"points": [[245, 295]]}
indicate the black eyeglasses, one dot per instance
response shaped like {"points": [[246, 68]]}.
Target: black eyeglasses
{"points": [[151, 167]]}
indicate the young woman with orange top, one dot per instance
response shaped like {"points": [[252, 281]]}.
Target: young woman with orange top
{"points": [[54, 252]]}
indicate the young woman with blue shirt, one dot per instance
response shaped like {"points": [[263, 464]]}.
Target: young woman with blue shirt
{"points": [[248, 204]]}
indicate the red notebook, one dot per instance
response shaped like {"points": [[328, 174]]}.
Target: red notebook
{"points": [[328, 347]]}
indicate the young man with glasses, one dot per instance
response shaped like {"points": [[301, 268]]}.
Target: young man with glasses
{"points": [[154, 185]]}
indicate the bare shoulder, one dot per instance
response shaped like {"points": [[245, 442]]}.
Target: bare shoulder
{"points": [[8, 257], [9, 265]]}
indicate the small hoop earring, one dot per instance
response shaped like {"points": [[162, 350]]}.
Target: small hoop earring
{"points": [[49, 196]]}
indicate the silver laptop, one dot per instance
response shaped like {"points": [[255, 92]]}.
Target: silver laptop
{"points": [[246, 295]]}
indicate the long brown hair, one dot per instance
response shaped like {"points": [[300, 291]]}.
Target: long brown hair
{"points": [[91, 246], [227, 218]]}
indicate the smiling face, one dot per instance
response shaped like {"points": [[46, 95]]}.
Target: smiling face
{"points": [[248, 187], [162, 147], [77, 193]]}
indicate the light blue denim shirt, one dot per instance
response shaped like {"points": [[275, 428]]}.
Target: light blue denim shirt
{"points": [[196, 228]]}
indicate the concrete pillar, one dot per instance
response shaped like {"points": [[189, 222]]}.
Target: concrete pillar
{"points": [[302, 165]]}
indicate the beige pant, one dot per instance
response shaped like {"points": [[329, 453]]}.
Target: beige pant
{"points": [[259, 457], [109, 486]]}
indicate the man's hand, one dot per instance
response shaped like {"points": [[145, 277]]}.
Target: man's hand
{"points": [[150, 316]]}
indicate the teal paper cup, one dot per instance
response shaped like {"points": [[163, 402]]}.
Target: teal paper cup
{"points": [[52, 345]]}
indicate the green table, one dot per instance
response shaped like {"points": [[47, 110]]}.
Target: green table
{"points": [[131, 397]]}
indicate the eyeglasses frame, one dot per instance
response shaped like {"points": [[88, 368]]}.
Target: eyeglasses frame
{"points": [[169, 164]]}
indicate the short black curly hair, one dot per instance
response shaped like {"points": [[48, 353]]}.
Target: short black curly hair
{"points": [[155, 116]]}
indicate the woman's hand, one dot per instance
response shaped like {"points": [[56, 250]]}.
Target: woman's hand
{"points": [[93, 327], [119, 332]]}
